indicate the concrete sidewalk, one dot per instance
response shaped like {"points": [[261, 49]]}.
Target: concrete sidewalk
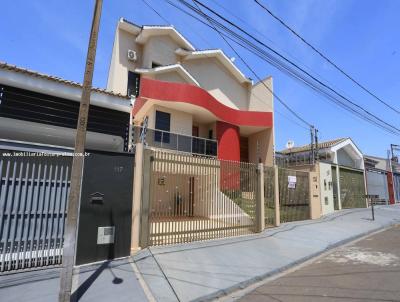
{"points": [[207, 270], [108, 281], [203, 270]]}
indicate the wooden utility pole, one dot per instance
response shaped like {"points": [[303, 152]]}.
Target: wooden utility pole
{"points": [[312, 151], [71, 224]]}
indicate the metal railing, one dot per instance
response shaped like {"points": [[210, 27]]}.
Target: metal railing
{"points": [[197, 198], [176, 142]]}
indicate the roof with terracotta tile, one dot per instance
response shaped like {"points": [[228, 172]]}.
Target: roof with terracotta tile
{"points": [[321, 145], [14, 68]]}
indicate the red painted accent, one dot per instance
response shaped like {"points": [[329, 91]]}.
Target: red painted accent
{"points": [[228, 138], [390, 186], [186, 93]]}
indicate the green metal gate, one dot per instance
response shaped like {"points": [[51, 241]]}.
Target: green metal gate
{"points": [[294, 200], [352, 188]]}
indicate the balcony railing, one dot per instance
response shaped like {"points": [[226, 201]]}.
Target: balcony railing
{"points": [[176, 142]]}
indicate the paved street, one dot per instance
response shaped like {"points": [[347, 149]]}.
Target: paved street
{"points": [[368, 270]]}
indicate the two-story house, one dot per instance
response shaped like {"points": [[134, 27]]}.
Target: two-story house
{"points": [[191, 100]]}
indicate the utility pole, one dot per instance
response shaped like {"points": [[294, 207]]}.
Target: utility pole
{"points": [[312, 155], [316, 144], [71, 224]]}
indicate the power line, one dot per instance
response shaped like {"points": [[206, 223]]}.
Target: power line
{"points": [[325, 57], [155, 11], [256, 75], [273, 93], [263, 55], [277, 97], [324, 90]]}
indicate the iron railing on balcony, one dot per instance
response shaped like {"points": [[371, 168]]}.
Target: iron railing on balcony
{"points": [[176, 142]]}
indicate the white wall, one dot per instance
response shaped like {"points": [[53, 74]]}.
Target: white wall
{"points": [[326, 187], [344, 159]]}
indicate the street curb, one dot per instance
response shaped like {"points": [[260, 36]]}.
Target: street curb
{"points": [[242, 285]]}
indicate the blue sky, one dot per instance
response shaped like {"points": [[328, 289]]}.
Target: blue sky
{"points": [[362, 37]]}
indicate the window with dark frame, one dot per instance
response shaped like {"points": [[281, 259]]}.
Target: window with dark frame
{"points": [[163, 122], [155, 65], [133, 83]]}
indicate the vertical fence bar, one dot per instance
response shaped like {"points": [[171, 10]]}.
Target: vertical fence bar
{"points": [[19, 227], [7, 213], [27, 213], [3, 196]]}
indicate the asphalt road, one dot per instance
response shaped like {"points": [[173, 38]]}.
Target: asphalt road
{"points": [[367, 270]]}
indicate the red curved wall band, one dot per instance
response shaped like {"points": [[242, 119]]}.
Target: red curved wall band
{"points": [[186, 93]]}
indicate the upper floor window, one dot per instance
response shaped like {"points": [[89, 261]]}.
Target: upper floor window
{"points": [[163, 122], [155, 64], [133, 84]]}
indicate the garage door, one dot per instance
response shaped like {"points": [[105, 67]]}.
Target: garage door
{"points": [[352, 189], [377, 185]]}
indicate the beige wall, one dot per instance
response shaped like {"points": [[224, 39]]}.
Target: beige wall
{"points": [[218, 81], [118, 71], [261, 99], [161, 50], [170, 77], [212, 75], [181, 122], [264, 141], [315, 200]]}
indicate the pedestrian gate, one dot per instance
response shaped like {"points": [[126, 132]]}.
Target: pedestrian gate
{"points": [[294, 198]]}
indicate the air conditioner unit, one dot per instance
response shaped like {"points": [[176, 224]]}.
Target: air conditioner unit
{"points": [[132, 56]]}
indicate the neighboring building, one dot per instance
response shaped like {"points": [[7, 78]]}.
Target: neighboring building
{"points": [[191, 100], [383, 178], [341, 171], [379, 178], [38, 109]]}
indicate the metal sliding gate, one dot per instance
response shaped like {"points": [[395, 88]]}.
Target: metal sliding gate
{"points": [[294, 198], [352, 188], [33, 199], [195, 198]]}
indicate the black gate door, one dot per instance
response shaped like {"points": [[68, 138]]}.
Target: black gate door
{"points": [[106, 207]]}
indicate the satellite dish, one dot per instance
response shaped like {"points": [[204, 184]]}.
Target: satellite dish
{"points": [[290, 144]]}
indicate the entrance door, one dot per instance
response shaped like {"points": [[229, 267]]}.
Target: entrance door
{"points": [[106, 207]]}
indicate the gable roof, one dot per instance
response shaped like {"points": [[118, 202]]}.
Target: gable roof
{"points": [[169, 68], [146, 31], [321, 145], [218, 54]]}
